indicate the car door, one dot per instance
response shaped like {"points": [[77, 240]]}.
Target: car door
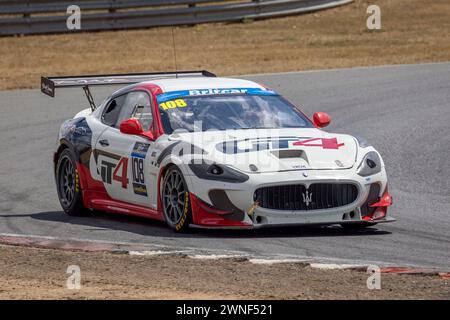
{"points": [[122, 159]]}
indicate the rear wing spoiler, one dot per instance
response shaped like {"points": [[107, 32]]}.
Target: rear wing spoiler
{"points": [[49, 84]]}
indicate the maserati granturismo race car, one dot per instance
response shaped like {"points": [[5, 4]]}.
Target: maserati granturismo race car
{"points": [[193, 149]]}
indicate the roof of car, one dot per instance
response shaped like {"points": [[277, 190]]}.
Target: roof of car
{"points": [[191, 83]]}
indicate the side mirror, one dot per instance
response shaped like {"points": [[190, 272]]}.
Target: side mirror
{"points": [[131, 126], [321, 119]]}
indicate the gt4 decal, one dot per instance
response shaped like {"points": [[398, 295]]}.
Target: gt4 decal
{"points": [[122, 176], [326, 143], [115, 168], [109, 171], [259, 144]]}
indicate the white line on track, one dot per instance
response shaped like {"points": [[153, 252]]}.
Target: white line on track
{"points": [[333, 266], [211, 253]]}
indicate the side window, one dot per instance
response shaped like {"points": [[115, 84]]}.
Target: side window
{"points": [[143, 111], [136, 105], [131, 105], [112, 110]]}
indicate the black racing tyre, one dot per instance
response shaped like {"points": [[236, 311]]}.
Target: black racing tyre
{"points": [[357, 226], [68, 184], [175, 200]]}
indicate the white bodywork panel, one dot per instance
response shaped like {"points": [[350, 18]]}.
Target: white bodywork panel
{"points": [[326, 157]]}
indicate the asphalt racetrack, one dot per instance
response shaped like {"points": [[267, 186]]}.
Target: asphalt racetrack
{"points": [[404, 111]]}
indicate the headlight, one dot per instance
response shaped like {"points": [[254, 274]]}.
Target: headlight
{"points": [[213, 171], [370, 165]]}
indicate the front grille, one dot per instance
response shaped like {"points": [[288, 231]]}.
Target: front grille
{"points": [[297, 197]]}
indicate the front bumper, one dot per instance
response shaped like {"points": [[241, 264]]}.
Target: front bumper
{"points": [[242, 211]]}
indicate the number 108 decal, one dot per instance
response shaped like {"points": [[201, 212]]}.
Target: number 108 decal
{"points": [[138, 170]]}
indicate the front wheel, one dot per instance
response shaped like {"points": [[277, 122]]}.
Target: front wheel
{"points": [[175, 200], [68, 184]]}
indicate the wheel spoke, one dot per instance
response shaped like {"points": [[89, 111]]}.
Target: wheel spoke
{"points": [[173, 194], [66, 181], [172, 213], [178, 211]]}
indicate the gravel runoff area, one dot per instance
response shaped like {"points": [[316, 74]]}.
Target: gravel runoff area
{"points": [[32, 273]]}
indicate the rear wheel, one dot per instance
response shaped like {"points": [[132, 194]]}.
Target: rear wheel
{"points": [[175, 200], [68, 184]]}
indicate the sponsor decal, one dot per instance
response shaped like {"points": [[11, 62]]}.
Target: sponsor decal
{"points": [[140, 189], [216, 91], [137, 167], [47, 87], [180, 224], [140, 150], [172, 95], [77, 181]]}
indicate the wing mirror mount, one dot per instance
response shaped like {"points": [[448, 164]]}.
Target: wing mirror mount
{"points": [[321, 119], [133, 126]]}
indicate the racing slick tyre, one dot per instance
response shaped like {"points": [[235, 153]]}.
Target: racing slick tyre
{"points": [[176, 200], [356, 226], [68, 184]]}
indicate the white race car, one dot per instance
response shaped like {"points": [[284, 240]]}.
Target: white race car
{"points": [[196, 150]]}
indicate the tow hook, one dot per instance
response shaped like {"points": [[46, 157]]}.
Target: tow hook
{"points": [[252, 208]]}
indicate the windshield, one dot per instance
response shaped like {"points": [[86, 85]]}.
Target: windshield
{"points": [[228, 112]]}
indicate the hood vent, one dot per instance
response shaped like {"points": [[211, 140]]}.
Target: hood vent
{"points": [[289, 154]]}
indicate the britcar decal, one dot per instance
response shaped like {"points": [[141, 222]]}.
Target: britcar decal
{"points": [[171, 95]]}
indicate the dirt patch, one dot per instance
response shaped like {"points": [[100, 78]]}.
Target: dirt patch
{"points": [[29, 273], [412, 32]]}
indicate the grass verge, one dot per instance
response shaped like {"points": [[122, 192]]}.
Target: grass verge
{"points": [[412, 32]]}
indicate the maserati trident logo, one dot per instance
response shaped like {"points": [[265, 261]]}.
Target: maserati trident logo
{"points": [[307, 197]]}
